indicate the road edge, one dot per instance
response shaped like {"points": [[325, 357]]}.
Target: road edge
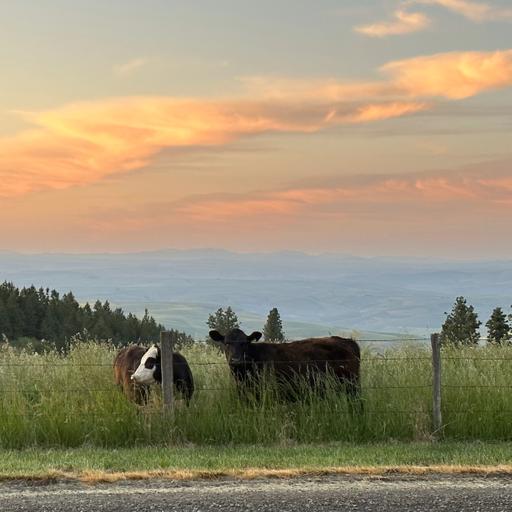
{"points": [[100, 476]]}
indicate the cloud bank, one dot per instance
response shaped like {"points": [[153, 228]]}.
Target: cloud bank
{"points": [[440, 211], [346, 196], [85, 142]]}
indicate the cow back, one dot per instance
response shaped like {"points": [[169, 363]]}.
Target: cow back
{"points": [[341, 356]]}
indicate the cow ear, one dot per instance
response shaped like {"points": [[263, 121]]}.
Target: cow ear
{"points": [[216, 336], [255, 336]]}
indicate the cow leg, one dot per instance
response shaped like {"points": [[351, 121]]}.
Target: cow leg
{"points": [[185, 388]]}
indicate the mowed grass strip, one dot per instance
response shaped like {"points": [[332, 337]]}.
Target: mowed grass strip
{"points": [[103, 465]]}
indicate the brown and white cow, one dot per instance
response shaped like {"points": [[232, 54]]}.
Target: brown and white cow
{"points": [[136, 368]]}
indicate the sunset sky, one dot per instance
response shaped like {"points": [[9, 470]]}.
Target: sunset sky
{"points": [[369, 127]]}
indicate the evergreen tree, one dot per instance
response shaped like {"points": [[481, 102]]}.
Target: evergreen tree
{"points": [[497, 327], [87, 317], [70, 314], [181, 340], [119, 327], [132, 327], [461, 325], [5, 323], [33, 311], [147, 327], [101, 328], [223, 320], [30, 315], [51, 327], [273, 330], [15, 314]]}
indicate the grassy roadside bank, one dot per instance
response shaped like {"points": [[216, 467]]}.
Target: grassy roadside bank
{"points": [[97, 464]]}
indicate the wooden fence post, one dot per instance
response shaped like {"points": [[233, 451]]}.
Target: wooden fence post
{"points": [[166, 350], [436, 384]]}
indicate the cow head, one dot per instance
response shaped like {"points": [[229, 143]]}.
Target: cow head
{"points": [[235, 344], [149, 370]]}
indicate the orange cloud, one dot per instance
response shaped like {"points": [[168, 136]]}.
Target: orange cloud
{"points": [[386, 111], [85, 142], [403, 23], [453, 75], [82, 143]]}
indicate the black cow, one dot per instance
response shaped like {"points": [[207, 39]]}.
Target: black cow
{"points": [[136, 368], [308, 359]]}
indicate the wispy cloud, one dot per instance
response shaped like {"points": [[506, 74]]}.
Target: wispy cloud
{"points": [[403, 22], [475, 11], [413, 190], [86, 142], [441, 212], [396, 210], [406, 22], [452, 75], [130, 67], [83, 143]]}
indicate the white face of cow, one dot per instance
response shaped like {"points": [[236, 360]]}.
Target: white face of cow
{"points": [[145, 373]]}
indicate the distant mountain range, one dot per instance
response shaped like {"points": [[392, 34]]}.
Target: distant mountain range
{"points": [[315, 294]]}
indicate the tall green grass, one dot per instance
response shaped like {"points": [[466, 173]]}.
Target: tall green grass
{"points": [[53, 400]]}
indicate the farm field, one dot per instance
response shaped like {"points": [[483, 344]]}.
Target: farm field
{"points": [[57, 401]]}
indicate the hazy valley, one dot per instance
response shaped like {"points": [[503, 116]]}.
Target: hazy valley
{"points": [[315, 294]]}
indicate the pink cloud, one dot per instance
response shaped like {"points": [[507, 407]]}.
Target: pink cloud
{"points": [[470, 189], [475, 11]]}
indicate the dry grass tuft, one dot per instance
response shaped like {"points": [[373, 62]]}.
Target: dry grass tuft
{"points": [[98, 477]]}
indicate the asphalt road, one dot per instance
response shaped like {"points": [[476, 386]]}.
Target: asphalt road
{"points": [[433, 493]]}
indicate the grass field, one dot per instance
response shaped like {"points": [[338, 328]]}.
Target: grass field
{"points": [[71, 401]]}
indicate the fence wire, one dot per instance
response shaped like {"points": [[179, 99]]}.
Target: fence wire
{"points": [[12, 369]]}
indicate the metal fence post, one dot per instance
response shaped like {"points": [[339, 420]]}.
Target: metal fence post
{"points": [[166, 358], [436, 383]]}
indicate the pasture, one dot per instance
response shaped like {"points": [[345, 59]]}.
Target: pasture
{"points": [[52, 400]]}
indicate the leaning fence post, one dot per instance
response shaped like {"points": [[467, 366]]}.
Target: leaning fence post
{"points": [[436, 383], [166, 349]]}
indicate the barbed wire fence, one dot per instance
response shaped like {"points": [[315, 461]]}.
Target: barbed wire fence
{"points": [[168, 400]]}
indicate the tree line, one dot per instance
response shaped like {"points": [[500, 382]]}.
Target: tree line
{"points": [[462, 326], [45, 319], [223, 320]]}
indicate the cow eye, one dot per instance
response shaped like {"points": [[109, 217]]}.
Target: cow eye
{"points": [[150, 363]]}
